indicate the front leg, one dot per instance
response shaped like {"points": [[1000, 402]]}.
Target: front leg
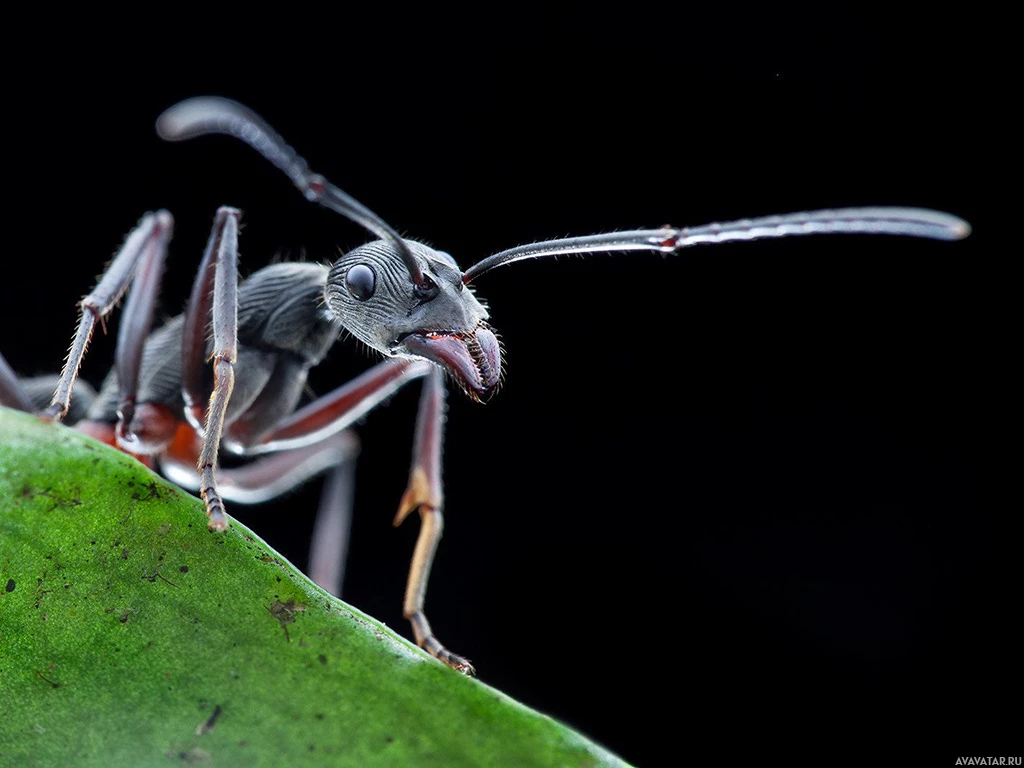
{"points": [[425, 493]]}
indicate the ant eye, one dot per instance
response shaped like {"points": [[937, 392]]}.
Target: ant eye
{"points": [[361, 282]]}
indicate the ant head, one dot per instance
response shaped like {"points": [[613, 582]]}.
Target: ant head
{"points": [[372, 294]]}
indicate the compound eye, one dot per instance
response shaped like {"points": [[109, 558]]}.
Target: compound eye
{"points": [[361, 282]]}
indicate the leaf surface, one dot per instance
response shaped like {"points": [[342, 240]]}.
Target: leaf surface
{"points": [[132, 635]]}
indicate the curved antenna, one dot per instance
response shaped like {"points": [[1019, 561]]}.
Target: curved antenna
{"points": [[914, 222], [213, 114]]}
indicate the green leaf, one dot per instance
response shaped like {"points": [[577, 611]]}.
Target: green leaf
{"points": [[132, 635]]}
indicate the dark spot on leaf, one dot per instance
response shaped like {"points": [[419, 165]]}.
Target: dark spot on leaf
{"points": [[285, 613], [43, 677], [389, 739], [156, 575], [319, 715], [192, 755], [124, 554], [322, 659], [207, 725], [184, 569], [10, 585]]}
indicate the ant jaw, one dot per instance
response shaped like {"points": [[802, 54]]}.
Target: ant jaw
{"points": [[473, 359]]}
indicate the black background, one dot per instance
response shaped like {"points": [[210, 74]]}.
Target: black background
{"points": [[727, 501]]}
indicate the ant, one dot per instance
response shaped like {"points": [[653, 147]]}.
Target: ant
{"points": [[228, 373]]}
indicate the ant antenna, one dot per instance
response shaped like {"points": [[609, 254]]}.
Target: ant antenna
{"points": [[213, 114], [913, 222]]}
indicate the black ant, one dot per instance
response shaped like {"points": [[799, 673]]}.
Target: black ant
{"points": [[164, 404]]}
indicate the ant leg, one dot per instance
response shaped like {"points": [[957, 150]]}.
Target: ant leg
{"points": [[425, 493], [336, 410], [138, 434], [305, 431], [346, 404], [331, 531], [339, 409], [12, 393], [223, 242], [322, 420], [196, 324], [143, 252]]}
